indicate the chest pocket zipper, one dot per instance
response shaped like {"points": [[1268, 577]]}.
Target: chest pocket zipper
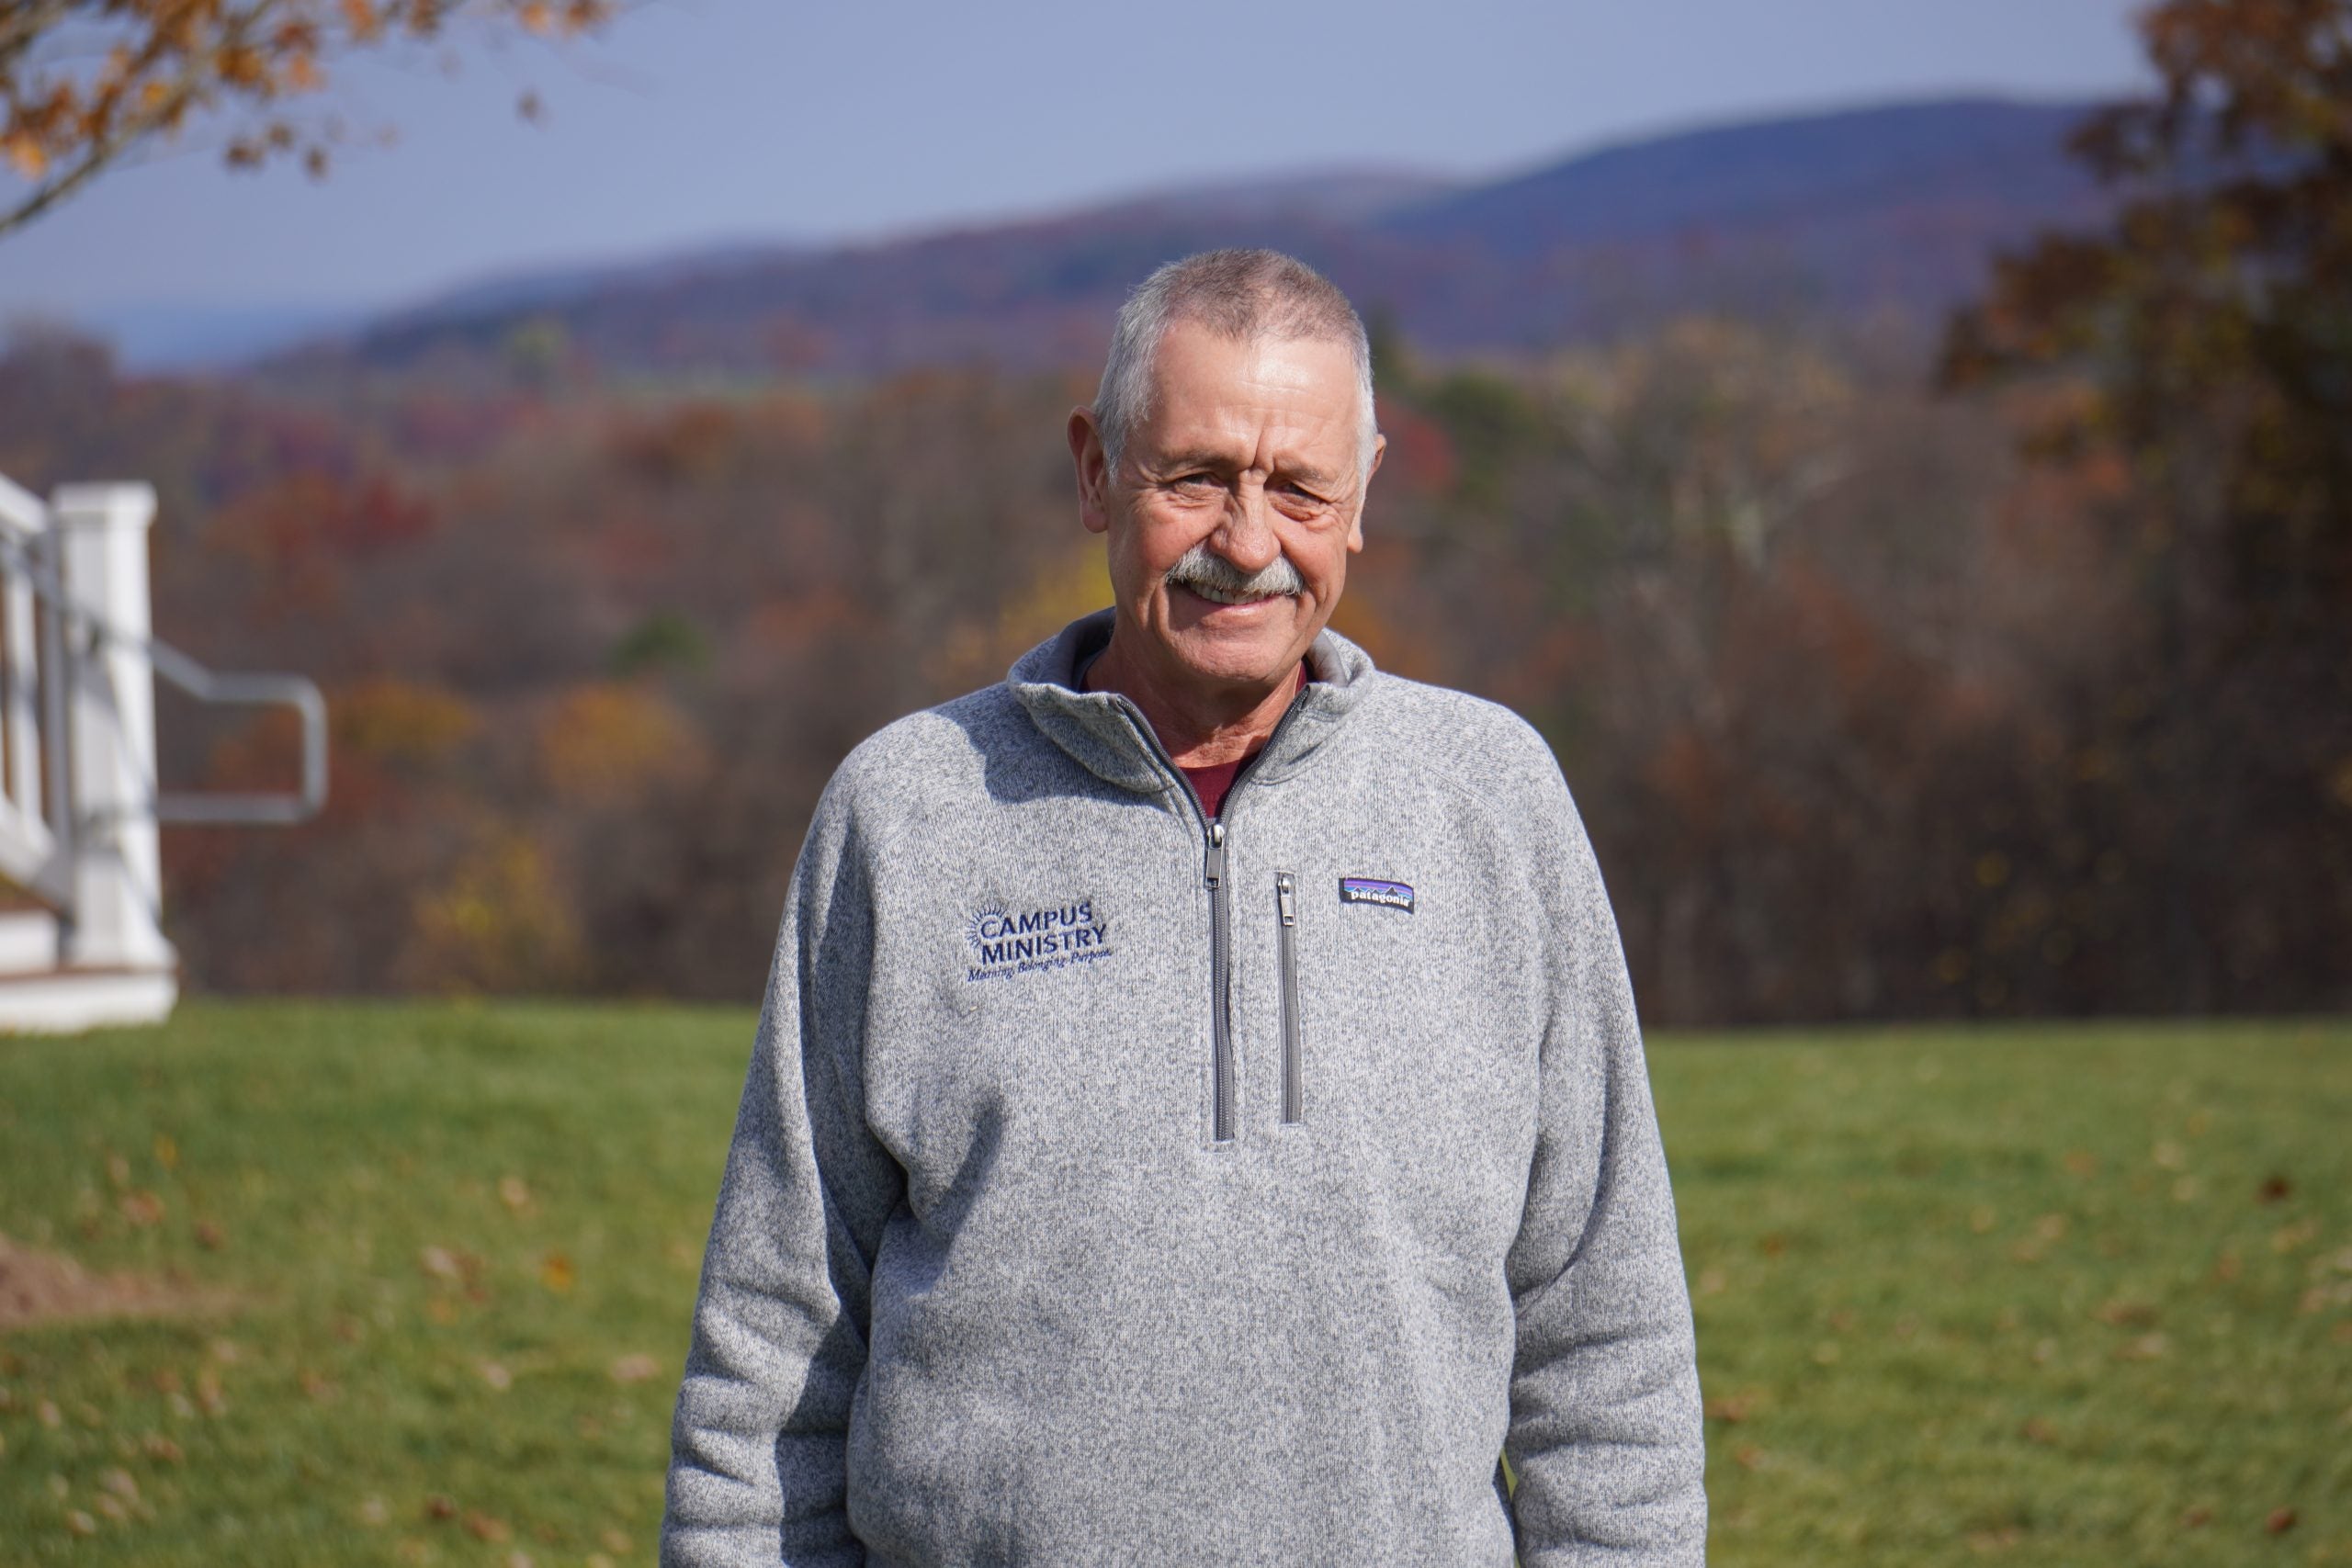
{"points": [[1294, 1065]]}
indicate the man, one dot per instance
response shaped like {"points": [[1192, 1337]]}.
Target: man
{"points": [[1198, 1114]]}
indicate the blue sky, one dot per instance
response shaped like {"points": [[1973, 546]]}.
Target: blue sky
{"points": [[700, 121]]}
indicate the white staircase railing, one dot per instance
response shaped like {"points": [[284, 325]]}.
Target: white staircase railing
{"points": [[79, 803]]}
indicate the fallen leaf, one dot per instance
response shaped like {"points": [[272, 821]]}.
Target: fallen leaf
{"points": [[81, 1523], [141, 1209], [515, 1193], [374, 1511], [2273, 1190], [439, 1507], [486, 1527], [2037, 1430], [440, 1263], [119, 1483], [1749, 1456], [2082, 1162], [635, 1368], [168, 1152], [495, 1375], [2125, 1314], [2147, 1348], [210, 1235], [555, 1273], [1729, 1409], [615, 1541], [160, 1449], [2197, 1518], [2280, 1521]]}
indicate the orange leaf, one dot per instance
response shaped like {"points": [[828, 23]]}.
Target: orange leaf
{"points": [[25, 156]]}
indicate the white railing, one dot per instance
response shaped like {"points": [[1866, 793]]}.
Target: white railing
{"points": [[79, 803]]}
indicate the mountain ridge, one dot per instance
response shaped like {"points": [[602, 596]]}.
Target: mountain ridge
{"points": [[1890, 206]]}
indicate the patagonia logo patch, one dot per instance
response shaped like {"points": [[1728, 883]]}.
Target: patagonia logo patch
{"points": [[1374, 890], [1006, 942]]}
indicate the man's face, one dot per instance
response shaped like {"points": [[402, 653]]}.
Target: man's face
{"points": [[1248, 455]]}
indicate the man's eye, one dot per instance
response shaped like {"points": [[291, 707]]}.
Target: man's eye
{"points": [[1198, 481]]}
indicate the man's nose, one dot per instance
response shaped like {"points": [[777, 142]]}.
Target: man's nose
{"points": [[1246, 538]]}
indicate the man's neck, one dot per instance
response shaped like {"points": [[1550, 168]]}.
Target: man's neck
{"points": [[1199, 728]]}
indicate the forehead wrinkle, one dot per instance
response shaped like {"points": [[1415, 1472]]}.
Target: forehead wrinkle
{"points": [[1265, 415]]}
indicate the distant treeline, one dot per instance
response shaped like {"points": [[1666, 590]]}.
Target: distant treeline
{"points": [[1869, 716]]}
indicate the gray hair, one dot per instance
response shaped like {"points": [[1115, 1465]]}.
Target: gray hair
{"points": [[1238, 294]]}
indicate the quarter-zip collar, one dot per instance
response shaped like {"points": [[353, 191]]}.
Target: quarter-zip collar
{"points": [[1109, 736]]}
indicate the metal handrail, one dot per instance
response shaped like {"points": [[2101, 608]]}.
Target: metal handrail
{"points": [[296, 692], [69, 623]]}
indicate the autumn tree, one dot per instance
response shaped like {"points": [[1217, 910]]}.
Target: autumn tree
{"points": [[85, 83], [2215, 315], [2201, 345]]}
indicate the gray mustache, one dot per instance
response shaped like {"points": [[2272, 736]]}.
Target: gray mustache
{"points": [[1201, 567]]}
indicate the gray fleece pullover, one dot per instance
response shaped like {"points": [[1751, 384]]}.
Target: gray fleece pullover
{"points": [[1115, 1187]]}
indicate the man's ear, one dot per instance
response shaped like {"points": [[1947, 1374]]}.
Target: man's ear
{"points": [[1364, 493], [1093, 470]]}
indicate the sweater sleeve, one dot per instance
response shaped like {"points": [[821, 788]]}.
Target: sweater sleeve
{"points": [[1606, 1436], [757, 1446]]}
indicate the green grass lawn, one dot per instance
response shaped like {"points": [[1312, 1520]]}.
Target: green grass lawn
{"points": [[2050, 1295]]}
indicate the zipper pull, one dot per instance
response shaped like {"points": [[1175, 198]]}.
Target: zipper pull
{"points": [[1215, 868], [1286, 896]]}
